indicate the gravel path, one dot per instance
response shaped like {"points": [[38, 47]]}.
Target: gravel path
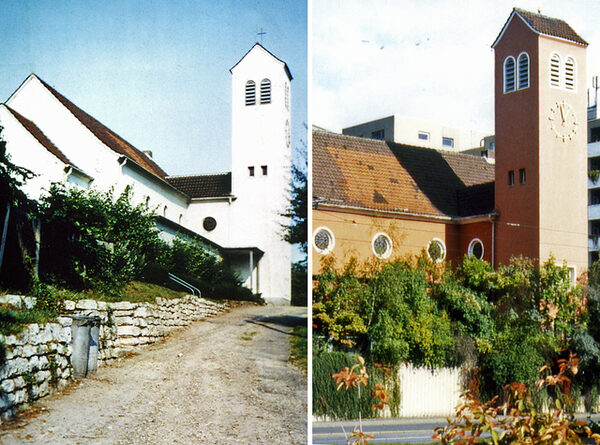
{"points": [[225, 380]]}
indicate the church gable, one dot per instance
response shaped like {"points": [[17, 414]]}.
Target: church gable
{"points": [[260, 51], [109, 138]]}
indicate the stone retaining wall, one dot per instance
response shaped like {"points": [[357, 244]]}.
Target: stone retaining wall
{"points": [[38, 360]]}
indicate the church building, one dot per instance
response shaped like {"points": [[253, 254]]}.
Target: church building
{"points": [[382, 199], [236, 214]]}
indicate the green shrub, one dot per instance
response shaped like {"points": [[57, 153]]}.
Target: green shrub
{"points": [[95, 240], [339, 405]]}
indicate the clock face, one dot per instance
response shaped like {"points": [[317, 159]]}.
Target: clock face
{"points": [[563, 121]]}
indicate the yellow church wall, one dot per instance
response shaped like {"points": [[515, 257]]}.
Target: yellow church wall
{"points": [[354, 233]]}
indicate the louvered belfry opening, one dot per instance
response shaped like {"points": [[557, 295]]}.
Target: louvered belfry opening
{"points": [[250, 93], [523, 71], [555, 70], [509, 75], [265, 91]]}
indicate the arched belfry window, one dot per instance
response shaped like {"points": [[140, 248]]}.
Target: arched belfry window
{"points": [[265, 91], [555, 70], [570, 73], [509, 74], [523, 68], [250, 93]]}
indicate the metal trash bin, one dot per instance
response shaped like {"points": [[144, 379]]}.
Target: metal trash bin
{"points": [[85, 331]]}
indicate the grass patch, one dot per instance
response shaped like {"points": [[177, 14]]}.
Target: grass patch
{"points": [[134, 292], [12, 320], [248, 335], [299, 347]]}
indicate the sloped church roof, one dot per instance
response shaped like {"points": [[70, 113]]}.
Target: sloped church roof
{"points": [[383, 176]]}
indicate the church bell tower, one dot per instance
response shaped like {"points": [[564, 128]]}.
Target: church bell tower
{"points": [[260, 161], [541, 141]]}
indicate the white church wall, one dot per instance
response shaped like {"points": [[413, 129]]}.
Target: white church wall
{"points": [[78, 144], [161, 197], [82, 147], [220, 210], [25, 151]]}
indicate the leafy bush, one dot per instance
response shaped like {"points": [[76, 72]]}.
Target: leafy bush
{"points": [[95, 240], [337, 301]]}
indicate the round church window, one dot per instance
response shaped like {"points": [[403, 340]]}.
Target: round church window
{"points": [[382, 245], [323, 240], [476, 248], [209, 223], [436, 250]]}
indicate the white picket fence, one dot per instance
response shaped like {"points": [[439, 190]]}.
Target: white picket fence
{"points": [[428, 393]]}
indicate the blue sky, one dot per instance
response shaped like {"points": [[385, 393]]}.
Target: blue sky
{"points": [[427, 59], [156, 71]]}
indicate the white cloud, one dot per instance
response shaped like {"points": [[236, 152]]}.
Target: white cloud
{"points": [[430, 60]]}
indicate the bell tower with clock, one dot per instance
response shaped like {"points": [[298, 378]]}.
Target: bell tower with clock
{"points": [[541, 141]]}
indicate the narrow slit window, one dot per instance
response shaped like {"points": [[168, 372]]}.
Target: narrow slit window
{"points": [[522, 176], [509, 74], [264, 170], [511, 178], [523, 71], [265, 91], [250, 171], [555, 70], [287, 96], [250, 93], [570, 74]]}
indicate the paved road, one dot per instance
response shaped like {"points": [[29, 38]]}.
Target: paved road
{"points": [[225, 380], [404, 430], [385, 430]]}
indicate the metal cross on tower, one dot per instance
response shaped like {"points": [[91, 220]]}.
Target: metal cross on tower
{"points": [[261, 34]]}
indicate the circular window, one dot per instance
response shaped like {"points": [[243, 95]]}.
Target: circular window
{"points": [[476, 248], [209, 223], [436, 250], [382, 245], [323, 240]]}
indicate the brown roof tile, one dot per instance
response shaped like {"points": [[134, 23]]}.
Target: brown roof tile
{"points": [[550, 26], [107, 136], [545, 25], [40, 136], [203, 186], [384, 176]]}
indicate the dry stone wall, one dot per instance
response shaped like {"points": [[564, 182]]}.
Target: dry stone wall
{"points": [[38, 360]]}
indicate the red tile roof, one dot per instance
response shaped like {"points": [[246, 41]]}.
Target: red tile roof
{"points": [[107, 136], [203, 186], [40, 136], [384, 176], [550, 26], [542, 24]]}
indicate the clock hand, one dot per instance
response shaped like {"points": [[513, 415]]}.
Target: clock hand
{"points": [[562, 113]]}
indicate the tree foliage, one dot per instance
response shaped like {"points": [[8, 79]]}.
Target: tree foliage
{"points": [[297, 231], [506, 323]]}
